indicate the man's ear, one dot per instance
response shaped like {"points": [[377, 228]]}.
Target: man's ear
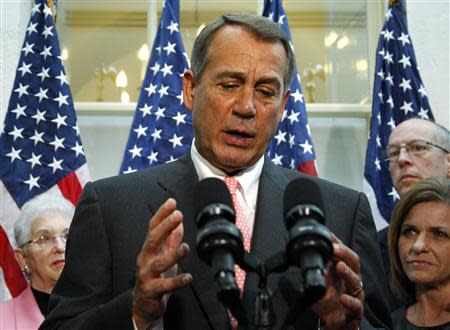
{"points": [[283, 103], [448, 165], [188, 89]]}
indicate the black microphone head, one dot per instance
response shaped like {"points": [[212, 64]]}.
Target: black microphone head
{"points": [[302, 191], [309, 246], [209, 193]]}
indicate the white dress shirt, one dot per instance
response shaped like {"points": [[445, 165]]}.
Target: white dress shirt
{"points": [[248, 179]]}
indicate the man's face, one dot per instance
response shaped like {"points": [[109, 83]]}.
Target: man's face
{"points": [[408, 169], [239, 100]]}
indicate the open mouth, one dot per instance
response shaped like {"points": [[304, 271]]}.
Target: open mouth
{"points": [[240, 135], [238, 139]]}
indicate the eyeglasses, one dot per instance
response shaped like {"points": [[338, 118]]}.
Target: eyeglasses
{"points": [[416, 148], [45, 240]]}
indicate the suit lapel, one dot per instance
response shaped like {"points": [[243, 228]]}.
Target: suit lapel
{"points": [[269, 233], [180, 185]]}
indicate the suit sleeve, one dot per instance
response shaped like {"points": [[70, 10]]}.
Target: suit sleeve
{"points": [[83, 297], [364, 243]]}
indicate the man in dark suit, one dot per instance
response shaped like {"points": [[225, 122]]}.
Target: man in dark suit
{"points": [[123, 270], [418, 149]]}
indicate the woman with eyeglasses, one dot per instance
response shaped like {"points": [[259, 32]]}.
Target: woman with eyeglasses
{"points": [[419, 248], [41, 234]]}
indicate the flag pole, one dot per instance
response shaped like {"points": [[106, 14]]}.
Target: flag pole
{"points": [[401, 5], [52, 5]]}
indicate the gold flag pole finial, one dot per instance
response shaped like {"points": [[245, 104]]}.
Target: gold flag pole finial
{"points": [[391, 2], [52, 8]]}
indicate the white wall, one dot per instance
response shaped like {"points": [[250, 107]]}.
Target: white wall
{"points": [[14, 17], [429, 24]]}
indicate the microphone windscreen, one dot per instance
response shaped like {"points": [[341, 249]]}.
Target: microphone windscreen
{"points": [[302, 191], [211, 191]]}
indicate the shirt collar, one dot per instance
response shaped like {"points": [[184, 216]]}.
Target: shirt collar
{"points": [[248, 178]]}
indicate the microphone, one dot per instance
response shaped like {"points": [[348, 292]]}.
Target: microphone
{"points": [[309, 246], [219, 241]]}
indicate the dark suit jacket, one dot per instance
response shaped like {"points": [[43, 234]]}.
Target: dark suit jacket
{"points": [[110, 225], [393, 302]]}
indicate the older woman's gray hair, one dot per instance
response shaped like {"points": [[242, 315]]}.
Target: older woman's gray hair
{"points": [[36, 208]]}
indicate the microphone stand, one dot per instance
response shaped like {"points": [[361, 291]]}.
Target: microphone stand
{"points": [[263, 305], [262, 314]]}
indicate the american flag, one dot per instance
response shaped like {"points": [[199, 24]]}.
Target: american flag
{"points": [[292, 146], [162, 127], [40, 145], [398, 94]]}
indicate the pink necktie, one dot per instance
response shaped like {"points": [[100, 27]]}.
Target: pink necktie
{"points": [[241, 223]]}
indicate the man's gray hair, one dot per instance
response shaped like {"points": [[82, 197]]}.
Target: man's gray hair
{"points": [[442, 136], [260, 26], [34, 209]]}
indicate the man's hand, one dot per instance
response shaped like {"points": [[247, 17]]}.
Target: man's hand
{"points": [[156, 265], [342, 306]]}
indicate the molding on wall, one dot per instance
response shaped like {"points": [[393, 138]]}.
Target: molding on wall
{"points": [[297, 19], [314, 110], [105, 18]]}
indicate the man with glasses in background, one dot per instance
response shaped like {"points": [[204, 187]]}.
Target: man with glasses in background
{"points": [[417, 149]]}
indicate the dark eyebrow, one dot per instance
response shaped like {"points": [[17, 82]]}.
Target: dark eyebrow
{"points": [[241, 77], [231, 74], [271, 81], [428, 229], [439, 228]]}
